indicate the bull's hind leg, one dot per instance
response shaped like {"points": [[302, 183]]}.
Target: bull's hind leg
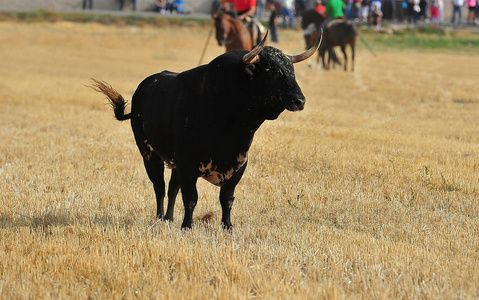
{"points": [[173, 188], [155, 169], [154, 165], [227, 196]]}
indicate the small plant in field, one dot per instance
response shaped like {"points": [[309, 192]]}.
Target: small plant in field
{"points": [[298, 197], [426, 175], [448, 186], [412, 198], [394, 166]]}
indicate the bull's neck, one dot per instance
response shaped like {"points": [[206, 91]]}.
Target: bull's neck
{"points": [[249, 121]]}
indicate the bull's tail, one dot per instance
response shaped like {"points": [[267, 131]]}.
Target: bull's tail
{"points": [[116, 100]]}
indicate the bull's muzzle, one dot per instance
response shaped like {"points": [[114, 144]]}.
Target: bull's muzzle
{"points": [[297, 104]]}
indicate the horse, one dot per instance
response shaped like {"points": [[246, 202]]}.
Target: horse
{"points": [[311, 22], [311, 16], [338, 33], [232, 33]]}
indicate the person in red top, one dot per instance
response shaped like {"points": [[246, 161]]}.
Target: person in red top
{"points": [[245, 8], [320, 8]]}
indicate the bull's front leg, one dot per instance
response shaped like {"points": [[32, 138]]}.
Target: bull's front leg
{"points": [[227, 196], [189, 194]]}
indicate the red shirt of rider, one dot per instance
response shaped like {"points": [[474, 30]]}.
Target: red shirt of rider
{"points": [[244, 7]]}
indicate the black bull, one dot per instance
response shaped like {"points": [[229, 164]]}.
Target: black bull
{"points": [[201, 122]]}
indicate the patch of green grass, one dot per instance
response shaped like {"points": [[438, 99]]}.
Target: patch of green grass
{"points": [[424, 37], [31, 16]]}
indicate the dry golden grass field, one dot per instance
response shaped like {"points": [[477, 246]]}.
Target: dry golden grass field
{"points": [[371, 192]]}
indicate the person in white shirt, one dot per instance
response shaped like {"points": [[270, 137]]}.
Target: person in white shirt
{"points": [[287, 10], [457, 9]]}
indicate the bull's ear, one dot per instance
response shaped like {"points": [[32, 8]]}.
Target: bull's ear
{"points": [[308, 53], [252, 56]]}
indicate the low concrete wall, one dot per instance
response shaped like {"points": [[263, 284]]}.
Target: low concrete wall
{"points": [[203, 6], [198, 6]]}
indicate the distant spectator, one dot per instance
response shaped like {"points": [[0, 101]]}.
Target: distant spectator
{"points": [[273, 21], [389, 9], [441, 11], [356, 7], [179, 6], [376, 5], [122, 4], [364, 10], [287, 11], [413, 10], [161, 6], [260, 6], [434, 12], [375, 17], [349, 9], [471, 14], [90, 4], [300, 7], [400, 10], [457, 9]]}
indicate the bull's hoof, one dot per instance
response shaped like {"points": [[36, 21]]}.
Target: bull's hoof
{"points": [[186, 225], [227, 227], [167, 218]]}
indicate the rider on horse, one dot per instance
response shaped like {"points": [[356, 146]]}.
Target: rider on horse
{"points": [[246, 10], [335, 9]]}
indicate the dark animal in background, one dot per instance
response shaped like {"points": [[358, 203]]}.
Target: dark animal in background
{"points": [[311, 22], [201, 122], [311, 16], [337, 33], [232, 33]]}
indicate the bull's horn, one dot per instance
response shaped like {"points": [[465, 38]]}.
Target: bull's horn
{"points": [[252, 56], [297, 58]]}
